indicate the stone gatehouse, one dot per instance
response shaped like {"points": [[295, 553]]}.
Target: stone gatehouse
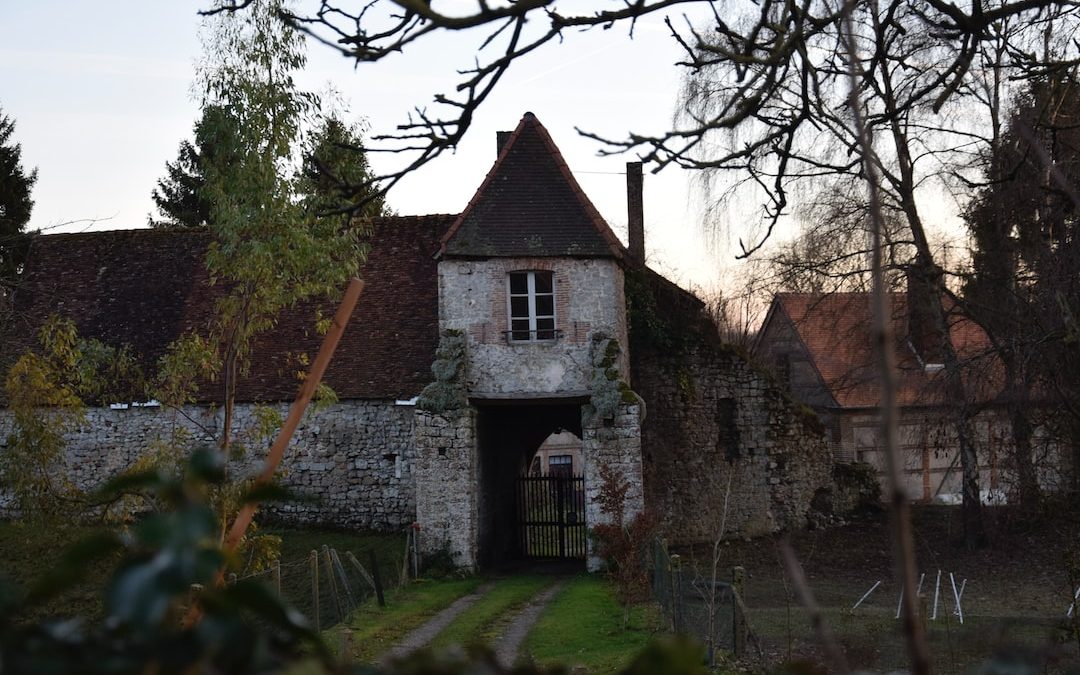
{"points": [[479, 336]]}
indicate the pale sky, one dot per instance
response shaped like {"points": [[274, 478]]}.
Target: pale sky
{"points": [[101, 96]]}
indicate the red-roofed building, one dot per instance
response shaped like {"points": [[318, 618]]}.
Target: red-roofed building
{"points": [[820, 346], [478, 337]]}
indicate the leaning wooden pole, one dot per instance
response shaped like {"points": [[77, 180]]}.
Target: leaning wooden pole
{"points": [[299, 407], [899, 506], [292, 421]]}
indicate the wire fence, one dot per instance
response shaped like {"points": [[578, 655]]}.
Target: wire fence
{"points": [[699, 605], [328, 585]]}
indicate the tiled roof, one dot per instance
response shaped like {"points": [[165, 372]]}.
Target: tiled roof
{"points": [[530, 205], [146, 288], [836, 330]]}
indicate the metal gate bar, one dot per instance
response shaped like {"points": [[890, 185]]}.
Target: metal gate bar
{"points": [[551, 516]]}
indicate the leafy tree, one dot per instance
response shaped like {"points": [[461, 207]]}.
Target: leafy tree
{"points": [[46, 392], [268, 250], [180, 196], [15, 202]]}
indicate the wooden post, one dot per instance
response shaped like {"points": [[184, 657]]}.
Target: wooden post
{"points": [[376, 579], [344, 646], [405, 559], [313, 563], [415, 553], [738, 579], [296, 411], [343, 578], [360, 568], [275, 569], [676, 593], [332, 582]]}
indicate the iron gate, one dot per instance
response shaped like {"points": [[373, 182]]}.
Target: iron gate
{"points": [[551, 516]]}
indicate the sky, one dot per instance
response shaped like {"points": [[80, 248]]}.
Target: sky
{"points": [[101, 95]]}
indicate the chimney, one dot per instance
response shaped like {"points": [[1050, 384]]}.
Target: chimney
{"points": [[501, 137], [635, 212], [923, 290]]}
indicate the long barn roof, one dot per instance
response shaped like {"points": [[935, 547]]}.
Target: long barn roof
{"points": [[146, 288]]}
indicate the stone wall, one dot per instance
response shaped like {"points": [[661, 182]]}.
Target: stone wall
{"points": [[355, 457], [724, 450], [615, 443], [447, 476], [473, 299]]}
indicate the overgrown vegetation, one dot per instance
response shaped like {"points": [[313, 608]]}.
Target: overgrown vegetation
{"points": [[623, 540]]}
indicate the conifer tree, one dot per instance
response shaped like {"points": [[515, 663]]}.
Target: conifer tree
{"points": [[15, 202]]}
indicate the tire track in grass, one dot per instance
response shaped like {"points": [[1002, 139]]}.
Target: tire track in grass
{"points": [[508, 644], [421, 636], [488, 618]]}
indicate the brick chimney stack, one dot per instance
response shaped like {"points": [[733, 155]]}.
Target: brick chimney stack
{"points": [[635, 212], [501, 137]]}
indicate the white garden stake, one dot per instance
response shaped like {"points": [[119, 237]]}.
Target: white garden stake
{"points": [[1072, 607], [937, 590], [866, 595], [918, 589], [956, 596]]}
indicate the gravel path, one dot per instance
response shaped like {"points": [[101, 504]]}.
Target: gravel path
{"points": [[506, 646], [426, 633]]}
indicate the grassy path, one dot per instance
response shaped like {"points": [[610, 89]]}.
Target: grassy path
{"points": [[583, 626]]}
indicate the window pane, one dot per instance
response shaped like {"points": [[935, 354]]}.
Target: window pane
{"points": [[519, 308], [545, 305], [545, 329], [519, 324], [543, 282], [519, 283]]}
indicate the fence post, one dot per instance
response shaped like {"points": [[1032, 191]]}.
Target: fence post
{"points": [[344, 646], [275, 567], [404, 578], [375, 577], [360, 568], [738, 578], [343, 578], [313, 562], [329, 565], [676, 593]]}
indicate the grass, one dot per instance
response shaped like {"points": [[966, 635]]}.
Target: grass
{"points": [[28, 549], [488, 616], [583, 626], [375, 629]]}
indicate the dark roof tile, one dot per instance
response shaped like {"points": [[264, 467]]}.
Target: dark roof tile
{"points": [[530, 205], [145, 288]]}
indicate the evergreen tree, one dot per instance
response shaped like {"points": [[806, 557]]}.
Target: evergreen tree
{"points": [[180, 196], [337, 174], [1025, 240], [15, 202]]}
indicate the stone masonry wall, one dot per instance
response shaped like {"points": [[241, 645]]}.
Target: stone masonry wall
{"points": [[446, 483], [615, 443], [355, 457], [588, 298], [713, 421]]}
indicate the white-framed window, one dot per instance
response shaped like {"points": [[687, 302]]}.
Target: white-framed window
{"points": [[531, 306]]}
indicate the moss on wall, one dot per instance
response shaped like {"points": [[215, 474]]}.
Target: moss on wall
{"points": [[447, 392]]}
